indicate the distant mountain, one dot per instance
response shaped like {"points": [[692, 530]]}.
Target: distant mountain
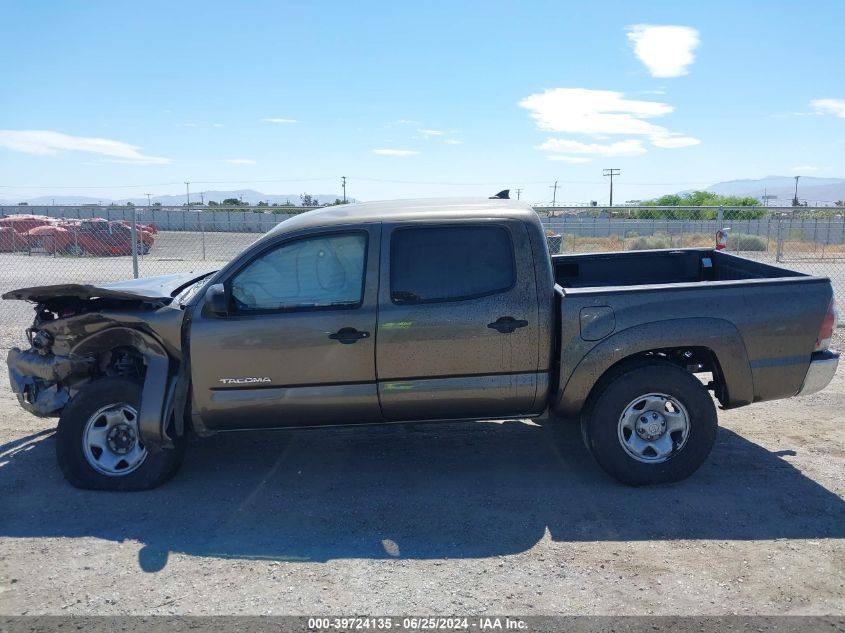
{"points": [[249, 196], [813, 190]]}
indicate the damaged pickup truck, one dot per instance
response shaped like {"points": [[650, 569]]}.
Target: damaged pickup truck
{"points": [[385, 312]]}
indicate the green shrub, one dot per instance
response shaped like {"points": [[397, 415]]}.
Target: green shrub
{"points": [[647, 242], [746, 242]]}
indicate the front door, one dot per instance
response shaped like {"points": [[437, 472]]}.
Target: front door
{"points": [[297, 347]]}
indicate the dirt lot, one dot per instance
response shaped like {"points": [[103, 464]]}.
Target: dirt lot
{"points": [[505, 517], [486, 518]]}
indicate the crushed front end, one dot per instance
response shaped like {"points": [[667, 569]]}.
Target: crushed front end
{"points": [[41, 378], [80, 337]]}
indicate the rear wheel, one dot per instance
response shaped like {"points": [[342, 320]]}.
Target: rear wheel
{"points": [[98, 445], [650, 423]]}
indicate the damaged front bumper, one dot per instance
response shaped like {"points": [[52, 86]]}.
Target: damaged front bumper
{"points": [[38, 379]]}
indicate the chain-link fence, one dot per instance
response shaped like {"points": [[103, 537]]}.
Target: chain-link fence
{"points": [[48, 245], [809, 240]]}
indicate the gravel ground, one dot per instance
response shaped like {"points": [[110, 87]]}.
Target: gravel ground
{"points": [[508, 517]]}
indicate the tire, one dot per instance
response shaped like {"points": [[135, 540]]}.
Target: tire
{"points": [[650, 423], [103, 415]]}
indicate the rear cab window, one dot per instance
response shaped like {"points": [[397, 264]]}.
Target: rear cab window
{"points": [[450, 263]]}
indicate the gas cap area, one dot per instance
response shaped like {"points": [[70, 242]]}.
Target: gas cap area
{"points": [[597, 322]]}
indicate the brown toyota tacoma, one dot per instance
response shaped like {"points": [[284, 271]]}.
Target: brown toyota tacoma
{"points": [[387, 312]]}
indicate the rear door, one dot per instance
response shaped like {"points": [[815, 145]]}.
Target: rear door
{"points": [[298, 345], [458, 327]]}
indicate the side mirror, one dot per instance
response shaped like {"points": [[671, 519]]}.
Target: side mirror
{"points": [[215, 299]]}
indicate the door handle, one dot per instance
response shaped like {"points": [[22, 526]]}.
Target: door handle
{"points": [[348, 335], [507, 324]]}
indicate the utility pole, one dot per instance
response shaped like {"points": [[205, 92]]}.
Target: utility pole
{"points": [[795, 199], [611, 173], [202, 198], [554, 193], [188, 193], [149, 202], [518, 193], [343, 180]]}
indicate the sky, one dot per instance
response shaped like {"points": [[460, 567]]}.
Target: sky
{"points": [[435, 98]]}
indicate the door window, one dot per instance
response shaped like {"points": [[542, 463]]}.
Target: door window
{"points": [[315, 272], [434, 264]]}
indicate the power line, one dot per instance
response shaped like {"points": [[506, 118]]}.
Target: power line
{"points": [[331, 178], [159, 184]]}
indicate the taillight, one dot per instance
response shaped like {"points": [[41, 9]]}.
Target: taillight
{"points": [[828, 325]]}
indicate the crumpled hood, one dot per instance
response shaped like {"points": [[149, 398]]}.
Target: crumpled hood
{"points": [[146, 289]]}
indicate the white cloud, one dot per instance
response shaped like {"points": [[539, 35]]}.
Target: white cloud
{"points": [[395, 152], [785, 115], [569, 159], [430, 133], [584, 111], [279, 120], [830, 106], [43, 142], [805, 168], [631, 147], [240, 161], [674, 140], [202, 124], [452, 141], [667, 51], [603, 113]]}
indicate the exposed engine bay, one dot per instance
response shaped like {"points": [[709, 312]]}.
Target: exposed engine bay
{"points": [[131, 330]]}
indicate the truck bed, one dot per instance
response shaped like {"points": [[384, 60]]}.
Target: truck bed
{"points": [[760, 321], [637, 268]]}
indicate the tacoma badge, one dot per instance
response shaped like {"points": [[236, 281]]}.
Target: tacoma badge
{"points": [[243, 381]]}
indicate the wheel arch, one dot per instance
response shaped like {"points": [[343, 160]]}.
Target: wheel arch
{"points": [[716, 341], [158, 388]]}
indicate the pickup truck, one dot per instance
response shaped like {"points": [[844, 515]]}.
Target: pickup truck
{"points": [[385, 312]]}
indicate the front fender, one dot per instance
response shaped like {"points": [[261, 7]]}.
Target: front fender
{"points": [[718, 335], [157, 393]]}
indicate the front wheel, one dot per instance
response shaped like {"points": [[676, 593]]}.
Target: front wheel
{"points": [[650, 423], [98, 445]]}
